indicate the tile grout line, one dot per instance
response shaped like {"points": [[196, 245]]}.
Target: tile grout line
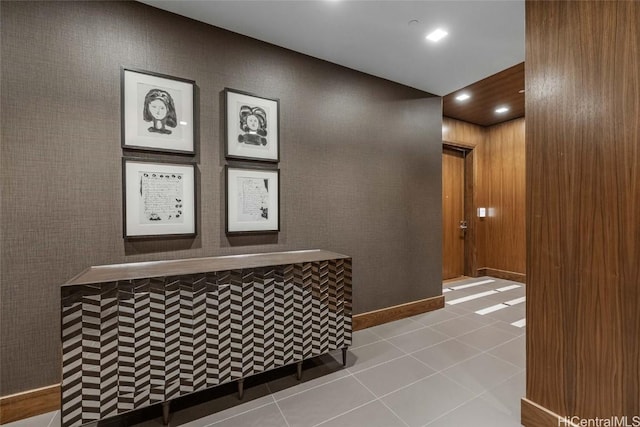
{"points": [[489, 316], [453, 380], [469, 358], [369, 343], [376, 365], [435, 371], [451, 410], [384, 404], [442, 321], [469, 331], [502, 382], [451, 366], [240, 413], [344, 413], [473, 398], [424, 363], [271, 393], [280, 410], [422, 326], [481, 352], [501, 359], [316, 386], [53, 418], [403, 355], [487, 351], [516, 332], [511, 336], [380, 339], [409, 384], [410, 354], [393, 412]]}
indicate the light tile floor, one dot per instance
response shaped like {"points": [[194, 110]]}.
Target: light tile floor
{"points": [[448, 368]]}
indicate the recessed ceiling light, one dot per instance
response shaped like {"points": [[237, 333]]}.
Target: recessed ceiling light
{"points": [[501, 110], [437, 35], [463, 97]]}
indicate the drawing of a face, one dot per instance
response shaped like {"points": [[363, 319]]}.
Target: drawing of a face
{"points": [[158, 109], [253, 123], [253, 119]]}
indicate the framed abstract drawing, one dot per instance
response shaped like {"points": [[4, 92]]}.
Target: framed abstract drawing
{"points": [[252, 125], [158, 112], [252, 199], [159, 198]]}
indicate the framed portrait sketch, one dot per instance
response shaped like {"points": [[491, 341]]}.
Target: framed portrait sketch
{"points": [[253, 199], [158, 112], [159, 198], [252, 126]]}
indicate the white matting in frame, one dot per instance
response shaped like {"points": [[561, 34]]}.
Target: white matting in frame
{"points": [[157, 112], [253, 199], [159, 198], [252, 126]]}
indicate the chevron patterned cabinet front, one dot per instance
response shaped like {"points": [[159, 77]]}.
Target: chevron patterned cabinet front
{"points": [[133, 341]]}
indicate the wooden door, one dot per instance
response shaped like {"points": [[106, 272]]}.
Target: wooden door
{"points": [[452, 213]]}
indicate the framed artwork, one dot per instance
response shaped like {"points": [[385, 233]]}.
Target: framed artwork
{"points": [[252, 126], [158, 112], [159, 198], [253, 199]]}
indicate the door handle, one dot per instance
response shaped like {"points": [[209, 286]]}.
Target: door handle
{"points": [[463, 225]]}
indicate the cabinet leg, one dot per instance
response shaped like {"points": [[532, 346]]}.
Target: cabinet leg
{"points": [[299, 370], [240, 389], [344, 356], [165, 412]]}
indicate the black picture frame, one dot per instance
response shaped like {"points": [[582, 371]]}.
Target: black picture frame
{"points": [[152, 204], [158, 112], [252, 126], [252, 199]]}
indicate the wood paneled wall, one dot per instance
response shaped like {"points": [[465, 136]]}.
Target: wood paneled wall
{"points": [[461, 134], [499, 186], [583, 208], [501, 189]]}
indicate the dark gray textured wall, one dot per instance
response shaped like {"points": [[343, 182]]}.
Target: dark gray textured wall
{"points": [[360, 162]]}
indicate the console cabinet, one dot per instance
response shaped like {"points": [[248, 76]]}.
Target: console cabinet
{"points": [[138, 334]]}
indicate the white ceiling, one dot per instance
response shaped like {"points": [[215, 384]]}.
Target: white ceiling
{"points": [[375, 37]]}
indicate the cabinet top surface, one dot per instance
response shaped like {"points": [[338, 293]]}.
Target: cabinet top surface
{"points": [[140, 270]]}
